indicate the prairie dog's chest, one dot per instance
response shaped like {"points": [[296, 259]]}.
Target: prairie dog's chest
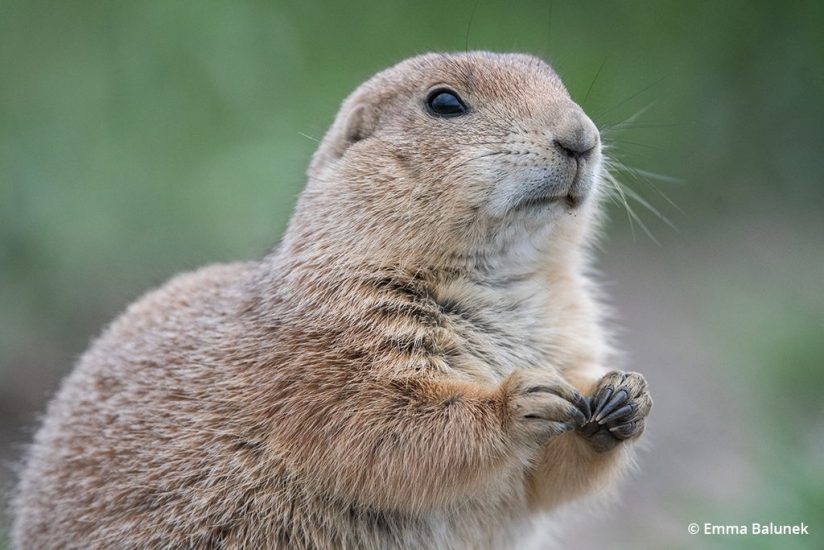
{"points": [[501, 328]]}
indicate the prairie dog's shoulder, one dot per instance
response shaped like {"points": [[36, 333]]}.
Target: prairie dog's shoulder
{"points": [[184, 326], [213, 283], [194, 297]]}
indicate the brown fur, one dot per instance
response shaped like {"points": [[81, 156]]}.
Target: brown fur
{"points": [[399, 372]]}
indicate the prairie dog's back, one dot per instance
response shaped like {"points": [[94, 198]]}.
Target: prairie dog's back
{"points": [[151, 394]]}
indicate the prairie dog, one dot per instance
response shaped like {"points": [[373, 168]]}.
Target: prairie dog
{"points": [[420, 363]]}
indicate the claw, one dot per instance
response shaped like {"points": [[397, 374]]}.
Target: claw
{"points": [[626, 409], [602, 398], [624, 431], [617, 400], [579, 417], [583, 406]]}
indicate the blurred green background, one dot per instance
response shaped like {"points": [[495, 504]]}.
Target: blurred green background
{"points": [[139, 139]]}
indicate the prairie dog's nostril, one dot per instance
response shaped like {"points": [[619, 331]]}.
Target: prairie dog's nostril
{"points": [[576, 147]]}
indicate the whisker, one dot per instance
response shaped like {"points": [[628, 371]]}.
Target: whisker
{"points": [[633, 96], [640, 176], [640, 126], [616, 186], [642, 225], [469, 25], [660, 177], [645, 145], [307, 136], [619, 125], [617, 166], [594, 80], [646, 204], [548, 47]]}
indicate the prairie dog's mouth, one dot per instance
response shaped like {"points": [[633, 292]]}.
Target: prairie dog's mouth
{"points": [[540, 202], [549, 194]]}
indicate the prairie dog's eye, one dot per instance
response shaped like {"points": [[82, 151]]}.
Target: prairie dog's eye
{"points": [[445, 103]]}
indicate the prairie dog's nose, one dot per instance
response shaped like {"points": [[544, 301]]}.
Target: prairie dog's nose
{"points": [[578, 136]]}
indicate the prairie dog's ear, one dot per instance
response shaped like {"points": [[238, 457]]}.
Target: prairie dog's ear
{"points": [[356, 121]]}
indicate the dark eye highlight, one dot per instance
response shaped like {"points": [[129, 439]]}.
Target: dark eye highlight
{"points": [[445, 103]]}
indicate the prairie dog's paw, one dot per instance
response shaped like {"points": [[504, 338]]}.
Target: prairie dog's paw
{"points": [[619, 406], [541, 405]]}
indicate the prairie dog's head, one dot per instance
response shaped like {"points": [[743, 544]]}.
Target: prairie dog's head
{"points": [[461, 155]]}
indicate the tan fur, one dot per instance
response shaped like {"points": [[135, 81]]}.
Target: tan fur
{"points": [[394, 374]]}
